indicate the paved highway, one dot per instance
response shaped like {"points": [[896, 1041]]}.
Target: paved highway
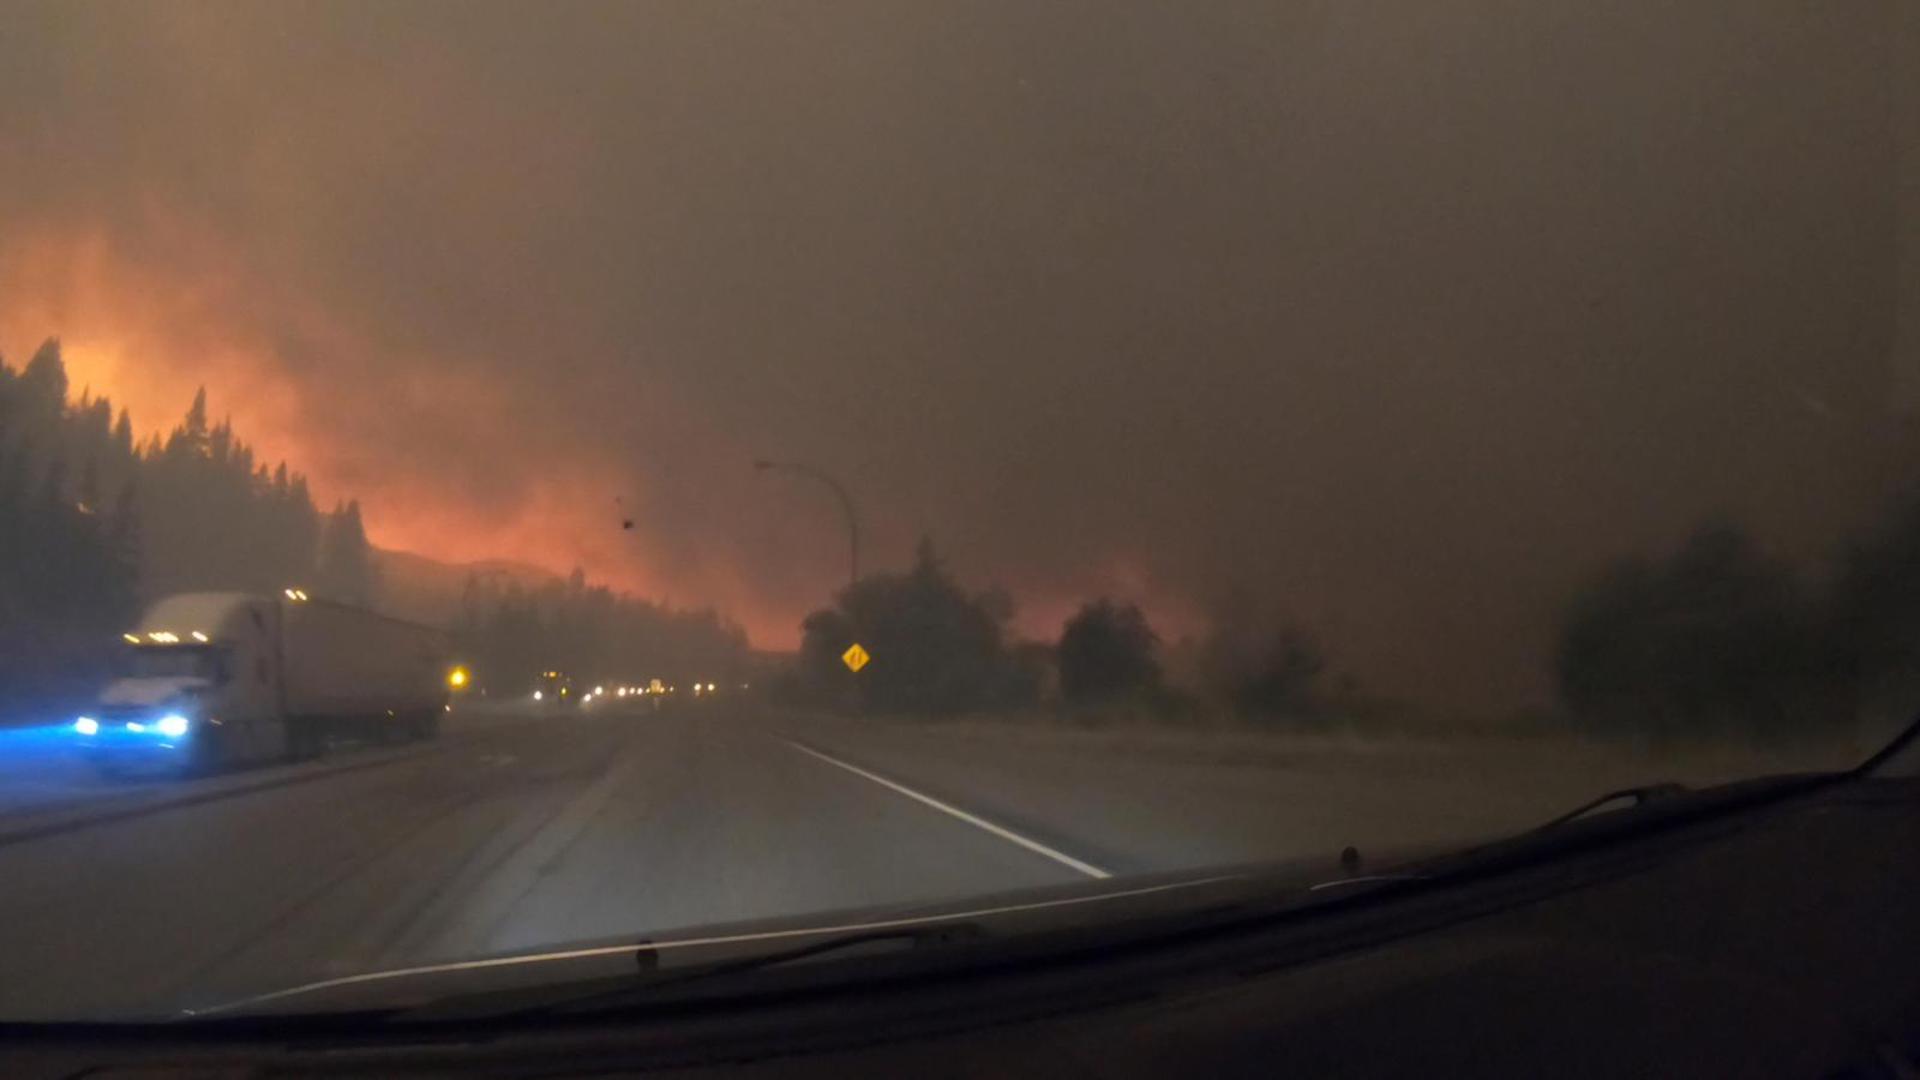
{"points": [[520, 831]]}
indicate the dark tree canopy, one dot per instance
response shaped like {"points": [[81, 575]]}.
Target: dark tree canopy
{"points": [[1876, 611], [69, 528], [1714, 637], [1279, 678], [1107, 651], [1262, 663], [936, 648], [346, 570]]}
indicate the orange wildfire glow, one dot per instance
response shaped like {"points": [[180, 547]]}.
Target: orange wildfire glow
{"points": [[148, 340]]}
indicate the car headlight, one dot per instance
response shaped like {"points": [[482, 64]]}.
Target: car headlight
{"points": [[173, 725], [87, 725]]}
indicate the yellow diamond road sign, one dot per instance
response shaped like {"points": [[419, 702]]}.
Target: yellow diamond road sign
{"points": [[855, 657]]}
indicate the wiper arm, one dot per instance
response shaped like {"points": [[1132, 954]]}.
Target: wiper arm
{"points": [[1639, 796], [915, 936]]}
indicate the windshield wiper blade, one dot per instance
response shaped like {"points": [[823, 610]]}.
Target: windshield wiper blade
{"points": [[652, 981], [1639, 795]]}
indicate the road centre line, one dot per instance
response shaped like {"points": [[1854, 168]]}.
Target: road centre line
{"points": [[977, 822]]}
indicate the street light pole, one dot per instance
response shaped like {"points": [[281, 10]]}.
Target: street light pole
{"points": [[846, 507]]}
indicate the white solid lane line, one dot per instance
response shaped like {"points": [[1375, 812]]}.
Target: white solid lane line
{"points": [[1008, 835]]}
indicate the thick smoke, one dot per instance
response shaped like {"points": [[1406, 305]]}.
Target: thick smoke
{"points": [[1399, 317]]}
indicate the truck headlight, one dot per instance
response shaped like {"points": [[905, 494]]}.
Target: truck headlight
{"points": [[87, 725], [173, 725]]}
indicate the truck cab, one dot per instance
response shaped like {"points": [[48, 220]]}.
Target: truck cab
{"points": [[195, 686], [209, 680]]}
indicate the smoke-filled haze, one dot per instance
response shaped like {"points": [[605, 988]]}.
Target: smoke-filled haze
{"points": [[1398, 317]]}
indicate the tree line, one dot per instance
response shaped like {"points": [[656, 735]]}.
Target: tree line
{"points": [[1715, 638], [511, 632], [1718, 637], [939, 648]]}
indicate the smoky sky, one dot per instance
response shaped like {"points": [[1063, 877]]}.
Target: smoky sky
{"points": [[1395, 318]]}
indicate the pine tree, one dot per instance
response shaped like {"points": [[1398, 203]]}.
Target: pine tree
{"points": [[45, 378], [123, 436], [347, 572]]}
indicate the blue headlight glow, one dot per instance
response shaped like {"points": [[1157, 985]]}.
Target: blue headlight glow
{"points": [[87, 725], [173, 725]]}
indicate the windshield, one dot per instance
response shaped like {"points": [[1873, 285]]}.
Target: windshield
{"points": [[160, 662], [659, 467]]}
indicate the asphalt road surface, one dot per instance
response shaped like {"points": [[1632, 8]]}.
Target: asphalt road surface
{"points": [[523, 831]]}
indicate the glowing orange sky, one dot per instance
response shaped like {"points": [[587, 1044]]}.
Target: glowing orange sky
{"points": [[148, 341]]}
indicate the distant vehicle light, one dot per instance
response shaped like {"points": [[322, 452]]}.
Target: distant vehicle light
{"points": [[87, 725], [537, 695], [599, 689], [457, 678], [172, 725], [135, 725], [132, 639], [200, 637]]}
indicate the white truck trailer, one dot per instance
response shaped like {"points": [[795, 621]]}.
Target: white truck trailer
{"points": [[209, 680]]}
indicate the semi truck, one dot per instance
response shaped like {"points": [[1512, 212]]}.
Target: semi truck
{"points": [[206, 681]]}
